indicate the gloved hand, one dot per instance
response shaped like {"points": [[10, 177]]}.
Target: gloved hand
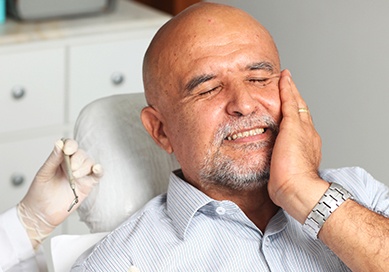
{"points": [[47, 201]]}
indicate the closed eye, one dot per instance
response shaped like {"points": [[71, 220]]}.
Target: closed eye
{"points": [[211, 91], [263, 81]]}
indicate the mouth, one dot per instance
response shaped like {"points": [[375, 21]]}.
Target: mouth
{"points": [[245, 134]]}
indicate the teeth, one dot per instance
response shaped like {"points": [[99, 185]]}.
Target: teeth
{"points": [[246, 134]]}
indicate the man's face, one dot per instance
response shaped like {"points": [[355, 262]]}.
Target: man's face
{"points": [[224, 108]]}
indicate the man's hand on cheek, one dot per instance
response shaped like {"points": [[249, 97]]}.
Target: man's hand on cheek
{"points": [[294, 183]]}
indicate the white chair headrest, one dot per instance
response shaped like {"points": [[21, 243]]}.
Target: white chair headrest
{"points": [[135, 168]]}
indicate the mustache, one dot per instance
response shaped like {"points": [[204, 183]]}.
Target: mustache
{"points": [[244, 123]]}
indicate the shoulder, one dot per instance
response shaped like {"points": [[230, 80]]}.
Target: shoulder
{"points": [[351, 177], [118, 247], [364, 187]]}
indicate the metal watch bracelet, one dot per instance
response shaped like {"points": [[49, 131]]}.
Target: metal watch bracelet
{"points": [[329, 202]]}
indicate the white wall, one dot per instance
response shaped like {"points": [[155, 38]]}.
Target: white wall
{"points": [[338, 54]]}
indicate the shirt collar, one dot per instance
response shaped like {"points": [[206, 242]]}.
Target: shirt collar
{"points": [[278, 223], [184, 200]]}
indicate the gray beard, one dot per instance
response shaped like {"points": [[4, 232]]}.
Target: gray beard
{"points": [[222, 171]]}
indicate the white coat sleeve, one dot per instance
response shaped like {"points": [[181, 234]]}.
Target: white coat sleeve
{"points": [[16, 251]]}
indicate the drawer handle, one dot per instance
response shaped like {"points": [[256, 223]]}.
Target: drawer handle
{"points": [[17, 180], [117, 78], [18, 92]]}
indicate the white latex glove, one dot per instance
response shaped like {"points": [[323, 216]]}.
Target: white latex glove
{"points": [[47, 201]]}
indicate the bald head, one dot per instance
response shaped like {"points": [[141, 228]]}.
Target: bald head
{"points": [[185, 35]]}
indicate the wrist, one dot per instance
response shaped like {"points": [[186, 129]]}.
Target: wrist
{"points": [[300, 198], [36, 226], [331, 200]]}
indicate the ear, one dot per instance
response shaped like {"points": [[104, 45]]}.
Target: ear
{"points": [[153, 122]]}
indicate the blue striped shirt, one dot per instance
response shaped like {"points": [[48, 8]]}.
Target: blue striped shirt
{"points": [[185, 230]]}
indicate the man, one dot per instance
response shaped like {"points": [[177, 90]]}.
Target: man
{"points": [[247, 195], [45, 206]]}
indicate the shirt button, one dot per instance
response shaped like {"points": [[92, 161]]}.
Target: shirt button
{"points": [[267, 241], [220, 210]]}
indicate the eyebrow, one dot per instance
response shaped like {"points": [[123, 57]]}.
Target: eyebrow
{"points": [[262, 65], [196, 81]]}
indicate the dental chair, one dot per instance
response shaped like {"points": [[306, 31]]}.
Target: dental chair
{"points": [[135, 170]]}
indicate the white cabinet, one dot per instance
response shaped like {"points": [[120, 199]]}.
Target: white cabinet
{"points": [[32, 88], [19, 161], [106, 68], [32, 94], [50, 70]]}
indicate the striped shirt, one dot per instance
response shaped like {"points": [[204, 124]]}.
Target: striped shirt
{"points": [[185, 230]]}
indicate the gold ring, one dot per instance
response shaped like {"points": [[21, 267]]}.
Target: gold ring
{"points": [[303, 110]]}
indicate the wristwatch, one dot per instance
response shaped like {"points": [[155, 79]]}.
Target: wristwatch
{"points": [[329, 202]]}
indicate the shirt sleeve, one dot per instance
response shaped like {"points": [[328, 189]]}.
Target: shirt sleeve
{"points": [[16, 251], [365, 189]]}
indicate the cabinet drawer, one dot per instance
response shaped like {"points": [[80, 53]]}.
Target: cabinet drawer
{"points": [[32, 89], [19, 162], [104, 69]]}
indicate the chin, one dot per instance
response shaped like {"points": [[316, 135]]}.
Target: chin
{"points": [[251, 169], [237, 176]]}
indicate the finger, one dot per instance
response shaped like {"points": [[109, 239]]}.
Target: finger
{"points": [[302, 109], [82, 165], [70, 146], [295, 104], [85, 169], [78, 159], [289, 104], [97, 170], [300, 101], [49, 168], [86, 182], [95, 173]]}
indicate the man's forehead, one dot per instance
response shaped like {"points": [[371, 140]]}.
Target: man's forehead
{"points": [[237, 61], [213, 24], [203, 32], [204, 18]]}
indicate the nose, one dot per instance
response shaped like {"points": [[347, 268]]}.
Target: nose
{"points": [[241, 102]]}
